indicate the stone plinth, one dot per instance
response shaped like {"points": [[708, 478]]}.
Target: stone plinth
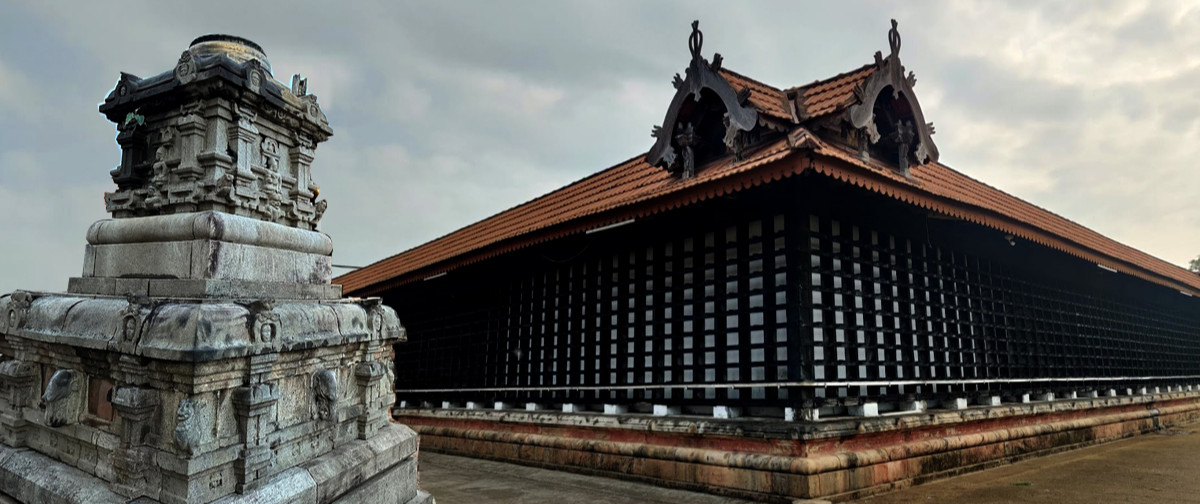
{"points": [[203, 355]]}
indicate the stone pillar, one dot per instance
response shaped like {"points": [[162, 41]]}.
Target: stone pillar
{"points": [[255, 407], [133, 461], [18, 387]]}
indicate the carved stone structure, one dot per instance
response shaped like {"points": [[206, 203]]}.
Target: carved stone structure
{"points": [[203, 355]]}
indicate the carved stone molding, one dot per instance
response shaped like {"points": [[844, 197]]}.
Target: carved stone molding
{"points": [[676, 141]]}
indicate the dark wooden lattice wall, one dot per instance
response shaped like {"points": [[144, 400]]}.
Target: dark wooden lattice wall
{"points": [[802, 291]]}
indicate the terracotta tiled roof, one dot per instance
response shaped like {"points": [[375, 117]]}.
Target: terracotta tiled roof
{"points": [[585, 204], [768, 100], [830, 95], [938, 187], [633, 189]]}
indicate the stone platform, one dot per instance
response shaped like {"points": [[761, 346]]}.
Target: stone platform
{"points": [[777, 461], [381, 470], [203, 356]]}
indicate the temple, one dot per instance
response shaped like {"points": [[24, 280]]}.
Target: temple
{"points": [[203, 355], [788, 295]]}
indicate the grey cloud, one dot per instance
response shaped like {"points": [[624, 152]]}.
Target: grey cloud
{"points": [[447, 112]]}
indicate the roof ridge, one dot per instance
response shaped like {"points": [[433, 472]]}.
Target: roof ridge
{"points": [[751, 79], [828, 79]]}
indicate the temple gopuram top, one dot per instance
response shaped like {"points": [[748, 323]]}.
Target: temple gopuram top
{"points": [[724, 132], [217, 133]]}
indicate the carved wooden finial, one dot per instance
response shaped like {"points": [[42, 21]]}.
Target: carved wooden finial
{"points": [[894, 39], [695, 40]]}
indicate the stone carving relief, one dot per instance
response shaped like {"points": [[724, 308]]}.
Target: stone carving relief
{"points": [[131, 321], [18, 310], [185, 70], [61, 398], [227, 151], [266, 321], [325, 395], [188, 429]]}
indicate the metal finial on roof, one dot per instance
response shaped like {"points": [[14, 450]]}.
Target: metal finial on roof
{"points": [[894, 39]]}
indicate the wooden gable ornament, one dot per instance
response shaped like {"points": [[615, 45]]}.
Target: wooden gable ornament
{"points": [[887, 116], [707, 117]]}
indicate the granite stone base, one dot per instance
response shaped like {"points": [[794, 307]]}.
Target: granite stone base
{"points": [[777, 461], [382, 469]]}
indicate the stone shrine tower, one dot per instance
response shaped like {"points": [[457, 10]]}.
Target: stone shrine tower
{"points": [[203, 355]]}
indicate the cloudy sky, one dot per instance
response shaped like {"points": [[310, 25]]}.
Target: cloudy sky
{"points": [[447, 112]]}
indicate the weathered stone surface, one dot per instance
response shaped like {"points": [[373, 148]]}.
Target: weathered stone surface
{"points": [[762, 459], [210, 225], [203, 355], [31, 477]]}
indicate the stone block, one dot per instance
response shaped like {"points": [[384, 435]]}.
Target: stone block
{"points": [[615, 409], [665, 410], [1046, 396], [396, 484], [988, 400], [571, 408], [501, 405], [338, 471], [293, 485], [143, 260], [532, 406], [89, 261], [91, 285], [955, 403], [801, 414], [864, 409], [1025, 398], [727, 412], [29, 476], [474, 405], [916, 406], [131, 286]]}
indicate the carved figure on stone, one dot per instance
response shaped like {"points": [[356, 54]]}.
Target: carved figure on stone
{"points": [[325, 395], [60, 400], [185, 70], [187, 432], [320, 210], [18, 309], [266, 321]]}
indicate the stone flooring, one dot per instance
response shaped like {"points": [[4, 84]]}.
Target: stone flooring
{"points": [[1161, 467], [462, 480]]}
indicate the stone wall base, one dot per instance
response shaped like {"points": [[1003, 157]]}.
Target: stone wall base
{"points": [[382, 469], [779, 461]]}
